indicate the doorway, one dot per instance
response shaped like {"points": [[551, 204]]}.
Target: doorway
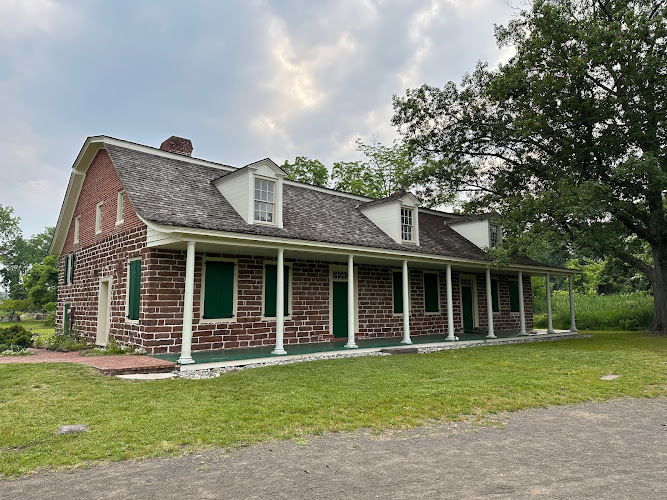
{"points": [[340, 309], [103, 312]]}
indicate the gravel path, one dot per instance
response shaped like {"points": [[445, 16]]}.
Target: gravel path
{"points": [[615, 450]]}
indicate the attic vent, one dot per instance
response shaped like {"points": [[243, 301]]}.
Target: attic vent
{"points": [[177, 145]]}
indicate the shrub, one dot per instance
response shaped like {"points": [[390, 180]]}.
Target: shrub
{"points": [[16, 335], [63, 342]]}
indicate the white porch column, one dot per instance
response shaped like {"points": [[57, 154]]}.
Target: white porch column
{"points": [[489, 304], [550, 323], [450, 305], [573, 326], [522, 310], [188, 300], [280, 303], [350, 303], [406, 305]]}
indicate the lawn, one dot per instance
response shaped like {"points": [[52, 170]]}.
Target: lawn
{"points": [[33, 325], [141, 419]]}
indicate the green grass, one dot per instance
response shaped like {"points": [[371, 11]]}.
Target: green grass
{"points": [[37, 326], [142, 419], [633, 311]]}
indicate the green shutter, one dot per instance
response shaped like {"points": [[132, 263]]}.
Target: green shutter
{"points": [[270, 283], [66, 320], [66, 269], [71, 270], [398, 292], [494, 296], [219, 290], [514, 296], [431, 298], [134, 284]]}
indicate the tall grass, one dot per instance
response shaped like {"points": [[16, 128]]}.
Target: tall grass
{"points": [[632, 311]]}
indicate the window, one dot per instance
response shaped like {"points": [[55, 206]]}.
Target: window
{"points": [[514, 296], [68, 273], [264, 201], [98, 218], [495, 302], [218, 289], [120, 207], [66, 318], [133, 289], [77, 222], [431, 293], [270, 289], [493, 236], [398, 292], [406, 224]]}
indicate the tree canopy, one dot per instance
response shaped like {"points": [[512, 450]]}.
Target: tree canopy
{"points": [[567, 139], [307, 170]]}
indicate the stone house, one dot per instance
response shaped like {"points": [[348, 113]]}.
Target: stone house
{"points": [[171, 253]]}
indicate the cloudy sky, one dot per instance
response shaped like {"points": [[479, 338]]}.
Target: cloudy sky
{"points": [[242, 79]]}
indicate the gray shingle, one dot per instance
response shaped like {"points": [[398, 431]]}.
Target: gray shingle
{"points": [[179, 193]]}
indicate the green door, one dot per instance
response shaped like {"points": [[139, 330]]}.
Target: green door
{"points": [[340, 309], [466, 300]]}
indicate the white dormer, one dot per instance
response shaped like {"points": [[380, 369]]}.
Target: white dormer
{"points": [[256, 192], [397, 215], [482, 230]]}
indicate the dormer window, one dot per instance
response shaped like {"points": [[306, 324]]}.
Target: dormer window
{"points": [[493, 236], [407, 228], [265, 201]]}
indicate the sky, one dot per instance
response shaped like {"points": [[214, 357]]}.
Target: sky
{"points": [[244, 80]]}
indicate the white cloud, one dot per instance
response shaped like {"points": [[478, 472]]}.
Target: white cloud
{"points": [[27, 17]]}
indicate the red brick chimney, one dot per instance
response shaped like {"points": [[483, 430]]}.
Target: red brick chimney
{"points": [[177, 145]]}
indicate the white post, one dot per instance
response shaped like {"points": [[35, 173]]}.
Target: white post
{"points": [[550, 323], [188, 300], [280, 303], [350, 303], [406, 305], [489, 304], [573, 326], [522, 310], [450, 305]]}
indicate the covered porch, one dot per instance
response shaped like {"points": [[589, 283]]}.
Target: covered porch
{"points": [[342, 267]]}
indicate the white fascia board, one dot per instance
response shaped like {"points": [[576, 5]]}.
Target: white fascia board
{"points": [[254, 241], [269, 163]]}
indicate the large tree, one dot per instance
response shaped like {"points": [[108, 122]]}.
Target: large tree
{"points": [[307, 170], [567, 138]]}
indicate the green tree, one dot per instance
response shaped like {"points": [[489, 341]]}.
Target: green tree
{"points": [[41, 281], [307, 170], [17, 254], [383, 171], [568, 137]]}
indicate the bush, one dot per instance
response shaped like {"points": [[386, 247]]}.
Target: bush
{"points": [[15, 335], [63, 342]]}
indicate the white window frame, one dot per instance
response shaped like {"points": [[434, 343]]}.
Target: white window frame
{"points": [[77, 228], [413, 234], [337, 268], [98, 217], [439, 311], [475, 301], [274, 221], [127, 292], [235, 299], [70, 260], [498, 235], [288, 299], [120, 207]]}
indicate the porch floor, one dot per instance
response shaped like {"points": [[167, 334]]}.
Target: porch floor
{"points": [[233, 356]]}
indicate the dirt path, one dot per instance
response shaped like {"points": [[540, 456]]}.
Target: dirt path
{"points": [[614, 450]]}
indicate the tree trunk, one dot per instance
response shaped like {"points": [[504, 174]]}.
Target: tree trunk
{"points": [[659, 284]]}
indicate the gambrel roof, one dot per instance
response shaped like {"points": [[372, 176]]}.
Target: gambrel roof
{"points": [[178, 191]]}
